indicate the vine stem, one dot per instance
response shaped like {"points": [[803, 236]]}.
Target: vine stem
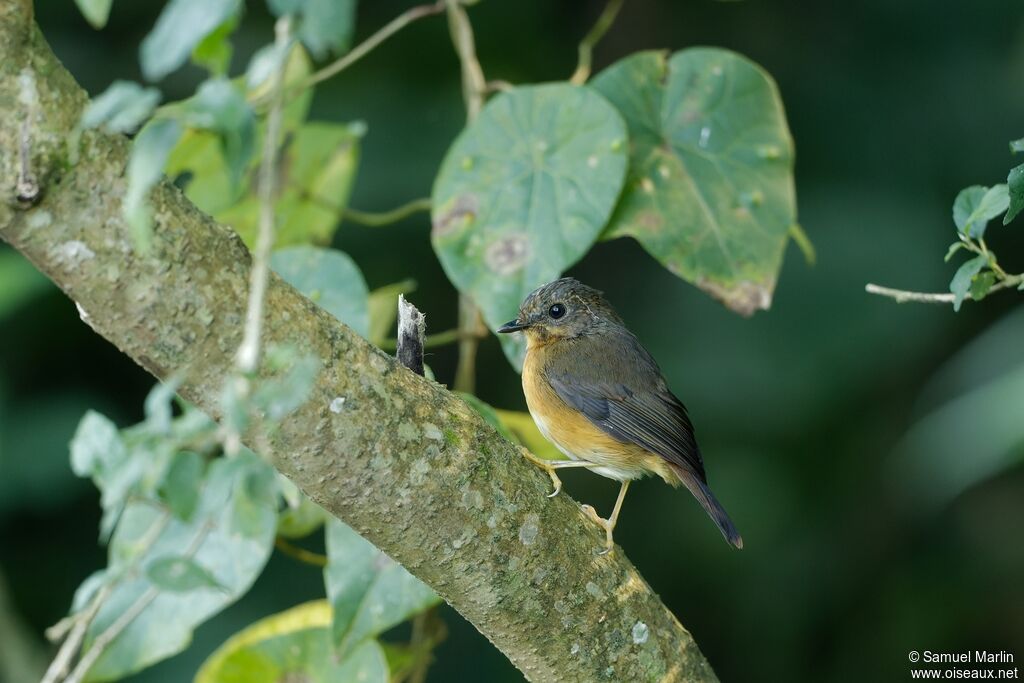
{"points": [[365, 47], [249, 351], [301, 554], [104, 639], [76, 625], [474, 86], [586, 48], [374, 219]]}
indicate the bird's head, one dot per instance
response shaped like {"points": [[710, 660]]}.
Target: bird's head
{"points": [[565, 308]]}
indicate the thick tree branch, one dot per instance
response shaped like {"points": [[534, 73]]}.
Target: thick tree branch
{"points": [[404, 462]]}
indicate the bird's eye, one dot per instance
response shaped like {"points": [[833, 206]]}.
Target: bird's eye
{"points": [[556, 311]]}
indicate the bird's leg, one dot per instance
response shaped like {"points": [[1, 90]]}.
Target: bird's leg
{"points": [[608, 524], [550, 466]]}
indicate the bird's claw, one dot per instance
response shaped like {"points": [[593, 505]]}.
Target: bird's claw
{"points": [[605, 524], [555, 481]]}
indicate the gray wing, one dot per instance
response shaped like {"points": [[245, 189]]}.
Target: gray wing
{"points": [[629, 401]]}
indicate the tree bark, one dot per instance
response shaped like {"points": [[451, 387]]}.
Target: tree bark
{"points": [[403, 461]]}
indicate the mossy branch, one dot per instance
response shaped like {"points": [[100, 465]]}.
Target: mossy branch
{"points": [[406, 463]]}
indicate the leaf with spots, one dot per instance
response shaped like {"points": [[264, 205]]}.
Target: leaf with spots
{"points": [[710, 189], [524, 192], [368, 591], [294, 645]]}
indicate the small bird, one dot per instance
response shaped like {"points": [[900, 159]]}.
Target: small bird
{"points": [[598, 395]]}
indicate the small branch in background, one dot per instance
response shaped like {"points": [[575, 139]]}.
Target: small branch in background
{"points": [[902, 296], [474, 86], [104, 639], [300, 554], [365, 47], [586, 49], [803, 242], [58, 669], [428, 631], [378, 219], [249, 351], [471, 331], [412, 327], [433, 341], [497, 86]]}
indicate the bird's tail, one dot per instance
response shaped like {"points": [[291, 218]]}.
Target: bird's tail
{"points": [[707, 500]]}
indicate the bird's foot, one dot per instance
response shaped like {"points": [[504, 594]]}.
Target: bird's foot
{"points": [[605, 524], [544, 465]]}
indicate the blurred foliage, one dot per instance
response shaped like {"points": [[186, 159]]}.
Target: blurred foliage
{"points": [[867, 536]]}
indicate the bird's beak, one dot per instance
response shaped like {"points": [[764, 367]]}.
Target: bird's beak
{"points": [[512, 326]]}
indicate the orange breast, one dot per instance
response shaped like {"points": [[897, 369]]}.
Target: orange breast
{"points": [[576, 436]]}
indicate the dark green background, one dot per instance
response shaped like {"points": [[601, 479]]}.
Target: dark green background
{"points": [[894, 107]]}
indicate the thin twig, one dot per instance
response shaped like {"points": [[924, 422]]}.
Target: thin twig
{"points": [[249, 351], [374, 219], [586, 49], [104, 639], [365, 47], [300, 554], [902, 296], [58, 669], [497, 86]]}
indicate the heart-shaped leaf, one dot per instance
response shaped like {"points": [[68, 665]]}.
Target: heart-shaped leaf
{"points": [[368, 590], [710, 189], [524, 192]]}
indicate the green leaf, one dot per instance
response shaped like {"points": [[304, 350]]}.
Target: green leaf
{"points": [[182, 482], [96, 12], [150, 151], [369, 591], [953, 248], [232, 554], [179, 575], [301, 519], [327, 26], [198, 156], [264, 63], [281, 7], [1017, 146], [981, 284], [157, 405], [383, 305], [219, 107], [1015, 186], [96, 448], [181, 26], [961, 283], [524, 192], [328, 277], [710, 190], [319, 164], [213, 52], [122, 107], [292, 645], [975, 206]]}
